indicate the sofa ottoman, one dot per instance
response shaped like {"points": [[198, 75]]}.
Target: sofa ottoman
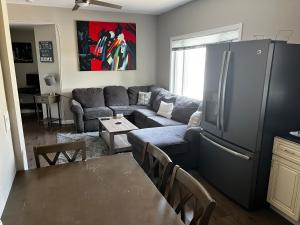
{"points": [[170, 139]]}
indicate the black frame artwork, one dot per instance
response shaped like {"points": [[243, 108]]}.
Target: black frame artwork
{"points": [[46, 51], [22, 52]]}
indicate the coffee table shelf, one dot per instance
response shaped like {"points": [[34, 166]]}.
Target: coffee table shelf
{"points": [[114, 132]]}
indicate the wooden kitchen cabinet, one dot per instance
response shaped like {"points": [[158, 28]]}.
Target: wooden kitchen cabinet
{"points": [[284, 184]]}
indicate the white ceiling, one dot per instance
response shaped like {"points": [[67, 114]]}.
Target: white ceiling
{"points": [[154, 7]]}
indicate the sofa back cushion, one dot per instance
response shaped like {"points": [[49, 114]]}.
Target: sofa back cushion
{"points": [[184, 108], [89, 97], [155, 90], [133, 93], [116, 96], [163, 95]]}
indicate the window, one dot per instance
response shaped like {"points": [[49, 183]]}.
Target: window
{"points": [[188, 55]]}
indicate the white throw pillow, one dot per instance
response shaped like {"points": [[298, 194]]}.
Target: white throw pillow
{"points": [[195, 119], [165, 109], [144, 98]]}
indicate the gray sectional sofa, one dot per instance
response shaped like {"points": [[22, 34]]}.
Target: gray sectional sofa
{"points": [[88, 104], [171, 135]]}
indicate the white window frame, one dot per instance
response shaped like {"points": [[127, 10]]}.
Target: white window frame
{"points": [[236, 27]]}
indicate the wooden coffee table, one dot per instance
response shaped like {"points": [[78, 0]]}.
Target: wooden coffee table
{"points": [[114, 131]]}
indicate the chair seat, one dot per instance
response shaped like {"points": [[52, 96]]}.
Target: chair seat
{"points": [[94, 113]]}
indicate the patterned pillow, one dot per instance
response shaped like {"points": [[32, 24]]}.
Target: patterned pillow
{"points": [[144, 98]]}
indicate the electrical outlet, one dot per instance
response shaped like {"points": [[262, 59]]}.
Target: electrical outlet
{"points": [[7, 126]]}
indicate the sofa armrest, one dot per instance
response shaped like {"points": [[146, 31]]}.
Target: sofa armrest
{"points": [[77, 110], [192, 133], [76, 107]]}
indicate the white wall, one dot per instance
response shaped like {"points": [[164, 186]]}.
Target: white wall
{"points": [[48, 33], [24, 35], [11, 93], [7, 157], [259, 17], [65, 19]]}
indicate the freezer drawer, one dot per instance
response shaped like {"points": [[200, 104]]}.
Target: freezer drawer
{"points": [[229, 171]]}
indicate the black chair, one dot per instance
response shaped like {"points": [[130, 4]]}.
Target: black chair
{"points": [[59, 149], [189, 198], [158, 166]]}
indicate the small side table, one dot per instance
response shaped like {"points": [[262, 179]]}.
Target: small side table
{"points": [[48, 100]]}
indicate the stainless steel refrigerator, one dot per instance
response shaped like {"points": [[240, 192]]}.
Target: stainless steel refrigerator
{"points": [[252, 92]]}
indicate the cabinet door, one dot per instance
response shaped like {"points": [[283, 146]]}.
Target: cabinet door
{"points": [[284, 187]]}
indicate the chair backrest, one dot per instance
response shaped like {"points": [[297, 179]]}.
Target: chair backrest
{"points": [[63, 148], [158, 166], [189, 198]]}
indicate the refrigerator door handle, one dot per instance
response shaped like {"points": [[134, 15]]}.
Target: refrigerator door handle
{"points": [[224, 85], [226, 149], [220, 89]]}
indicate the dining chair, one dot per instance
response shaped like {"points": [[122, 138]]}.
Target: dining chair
{"points": [[189, 198], [158, 166], [66, 149]]}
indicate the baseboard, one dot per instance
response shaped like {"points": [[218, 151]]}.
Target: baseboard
{"points": [[65, 122], [285, 216]]}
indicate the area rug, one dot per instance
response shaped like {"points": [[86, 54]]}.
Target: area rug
{"points": [[95, 145]]}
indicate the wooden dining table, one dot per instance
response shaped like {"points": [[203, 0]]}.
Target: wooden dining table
{"points": [[110, 190]]}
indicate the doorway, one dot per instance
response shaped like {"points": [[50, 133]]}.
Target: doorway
{"points": [[26, 67], [32, 69]]}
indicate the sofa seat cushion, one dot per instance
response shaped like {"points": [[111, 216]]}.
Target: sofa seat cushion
{"points": [[144, 113], [127, 110], [116, 96], [141, 115], [94, 113], [89, 97], [159, 136], [159, 121]]}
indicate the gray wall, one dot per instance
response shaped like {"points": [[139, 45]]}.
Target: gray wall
{"points": [[259, 17], [24, 35]]}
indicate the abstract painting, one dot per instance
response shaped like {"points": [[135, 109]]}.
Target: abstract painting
{"points": [[104, 46]]}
